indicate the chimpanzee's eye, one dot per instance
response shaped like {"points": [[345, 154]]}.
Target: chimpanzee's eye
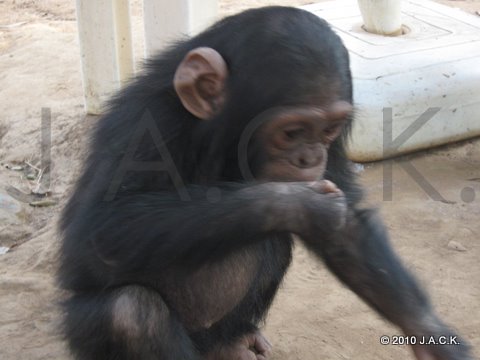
{"points": [[294, 133], [332, 132]]}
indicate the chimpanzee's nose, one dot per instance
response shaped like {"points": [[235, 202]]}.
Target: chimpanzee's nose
{"points": [[307, 158]]}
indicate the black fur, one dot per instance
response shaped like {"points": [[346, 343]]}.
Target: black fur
{"points": [[118, 245]]}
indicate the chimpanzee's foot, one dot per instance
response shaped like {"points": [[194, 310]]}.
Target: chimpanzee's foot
{"points": [[250, 347]]}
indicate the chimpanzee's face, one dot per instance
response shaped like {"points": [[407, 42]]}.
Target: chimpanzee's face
{"points": [[295, 140]]}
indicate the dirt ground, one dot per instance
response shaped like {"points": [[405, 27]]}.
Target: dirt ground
{"points": [[314, 317]]}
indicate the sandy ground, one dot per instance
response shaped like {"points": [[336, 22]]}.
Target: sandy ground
{"points": [[313, 317]]}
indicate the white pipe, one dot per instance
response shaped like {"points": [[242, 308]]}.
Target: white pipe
{"points": [[382, 16]]}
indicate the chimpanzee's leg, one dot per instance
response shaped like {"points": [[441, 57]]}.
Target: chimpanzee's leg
{"points": [[239, 328], [131, 323]]}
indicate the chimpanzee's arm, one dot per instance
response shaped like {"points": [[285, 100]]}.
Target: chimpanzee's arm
{"points": [[360, 256], [144, 233]]}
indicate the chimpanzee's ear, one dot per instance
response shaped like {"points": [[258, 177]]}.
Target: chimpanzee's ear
{"points": [[200, 82]]}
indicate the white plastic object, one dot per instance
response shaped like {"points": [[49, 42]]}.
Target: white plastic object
{"points": [[166, 20], [106, 41], [105, 48], [436, 64], [382, 16]]}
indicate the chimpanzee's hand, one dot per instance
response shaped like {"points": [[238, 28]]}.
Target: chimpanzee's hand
{"points": [[310, 210], [325, 210], [442, 352], [437, 341]]}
